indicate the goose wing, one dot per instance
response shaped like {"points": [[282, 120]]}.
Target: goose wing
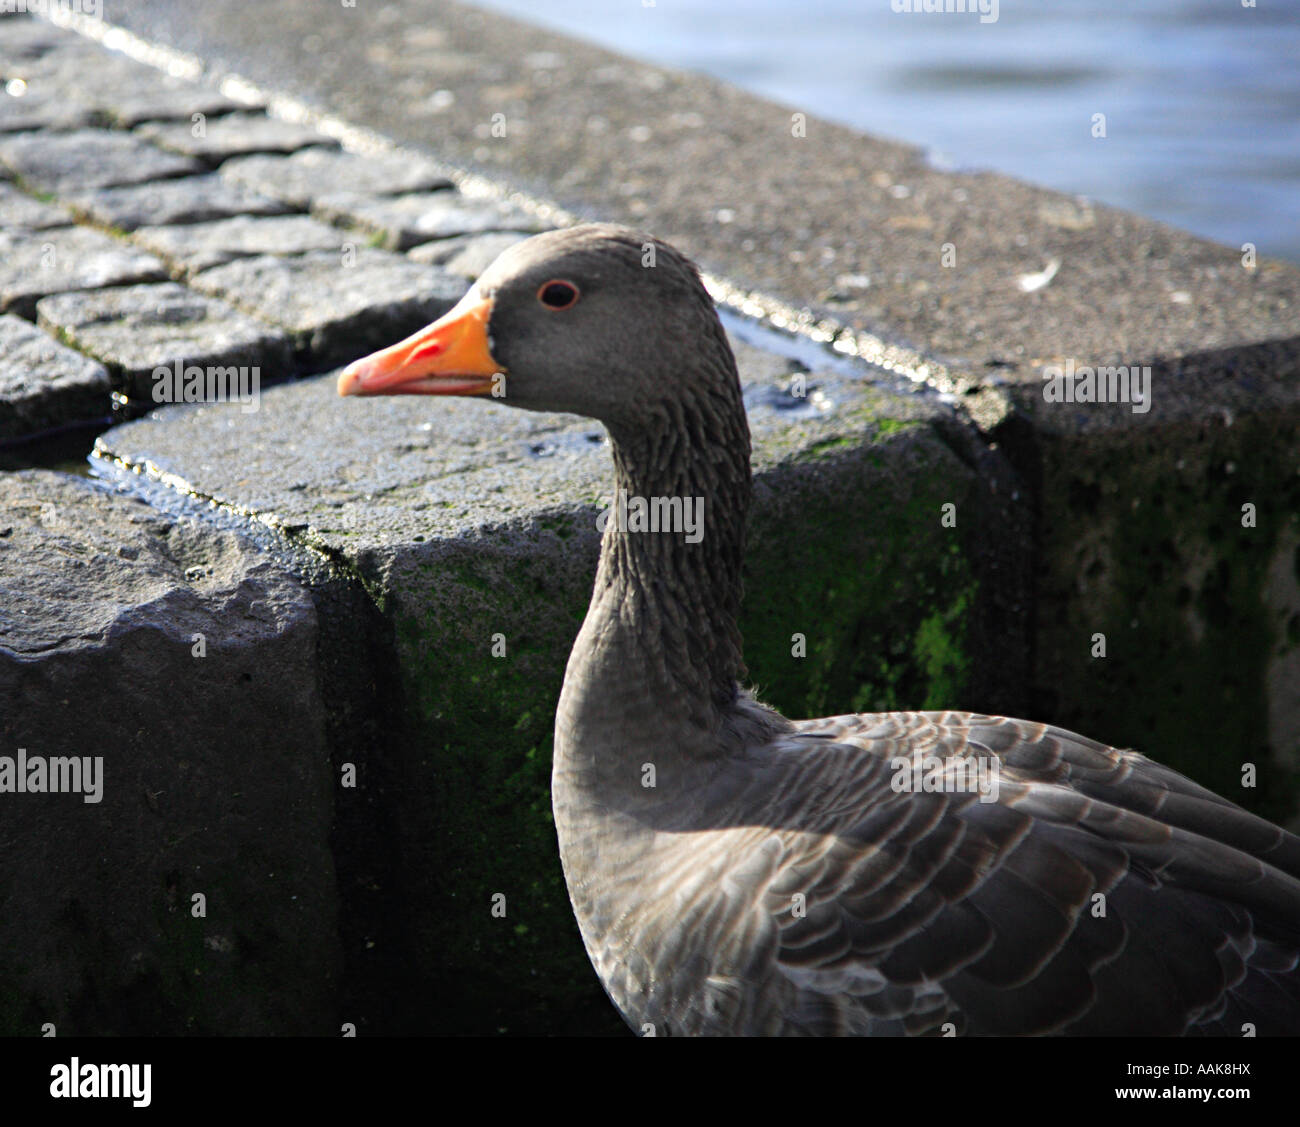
{"points": [[1092, 892]]}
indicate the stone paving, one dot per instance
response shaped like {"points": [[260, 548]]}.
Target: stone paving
{"points": [[195, 199], [153, 256], [417, 531], [135, 330], [280, 247], [43, 383]]}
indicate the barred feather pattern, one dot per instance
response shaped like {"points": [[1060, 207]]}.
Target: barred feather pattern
{"points": [[797, 892]]}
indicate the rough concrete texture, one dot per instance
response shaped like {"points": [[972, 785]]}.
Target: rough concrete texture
{"points": [[849, 232], [44, 384], [337, 306], [52, 65], [215, 779], [723, 175], [137, 329], [236, 134], [35, 264], [169, 100], [23, 39], [192, 199], [403, 221], [88, 158], [197, 246], [1174, 535], [301, 178], [466, 519], [467, 255], [21, 210], [28, 108]]}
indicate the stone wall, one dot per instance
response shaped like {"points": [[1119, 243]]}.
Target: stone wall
{"points": [[352, 768]]}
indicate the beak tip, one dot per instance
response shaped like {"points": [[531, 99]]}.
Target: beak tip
{"points": [[349, 381]]}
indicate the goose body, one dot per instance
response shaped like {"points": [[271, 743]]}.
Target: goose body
{"points": [[736, 872]]}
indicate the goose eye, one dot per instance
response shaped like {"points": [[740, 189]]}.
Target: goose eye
{"points": [[558, 295]]}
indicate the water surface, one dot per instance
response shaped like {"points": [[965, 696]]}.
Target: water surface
{"points": [[1202, 98]]}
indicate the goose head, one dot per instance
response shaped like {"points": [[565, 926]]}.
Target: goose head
{"points": [[595, 320]]}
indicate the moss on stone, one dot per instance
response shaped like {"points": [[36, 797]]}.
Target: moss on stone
{"points": [[842, 549], [1143, 542]]}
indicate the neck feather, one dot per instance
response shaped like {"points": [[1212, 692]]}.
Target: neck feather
{"points": [[680, 586], [659, 656]]}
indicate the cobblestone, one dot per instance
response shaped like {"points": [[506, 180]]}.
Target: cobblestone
{"points": [[44, 384], [22, 210], [34, 265], [88, 158], [306, 175], [134, 330], [337, 306], [466, 255], [24, 43], [199, 246], [404, 221], [191, 199], [168, 100], [26, 108], [235, 134]]}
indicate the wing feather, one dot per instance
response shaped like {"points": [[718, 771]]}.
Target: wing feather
{"points": [[1099, 893]]}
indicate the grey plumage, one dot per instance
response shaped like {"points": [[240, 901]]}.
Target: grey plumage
{"points": [[735, 872]]}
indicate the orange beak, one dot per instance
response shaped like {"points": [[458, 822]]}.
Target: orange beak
{"points": [[449, 357]]}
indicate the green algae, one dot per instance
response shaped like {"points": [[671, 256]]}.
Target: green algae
{"points": [[1143, 542], [847, 552]]}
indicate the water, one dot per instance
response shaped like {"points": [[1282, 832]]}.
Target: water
{"points": [[66, 449], [1201, 97]]}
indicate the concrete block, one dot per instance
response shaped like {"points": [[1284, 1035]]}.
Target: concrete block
{"points": [[212, 776], [462, 520]]}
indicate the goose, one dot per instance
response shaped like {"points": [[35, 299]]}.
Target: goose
{"points": [[735, 872]]}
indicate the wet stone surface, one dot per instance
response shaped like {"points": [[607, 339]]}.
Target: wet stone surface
{"points": [[44, 384], [235, 134], [21, 210], [466, 255], [336, 306], [404, 221], [311, 173], [35, 264], [88, 158], [136, 329], [198, 246], [192, 199]]}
